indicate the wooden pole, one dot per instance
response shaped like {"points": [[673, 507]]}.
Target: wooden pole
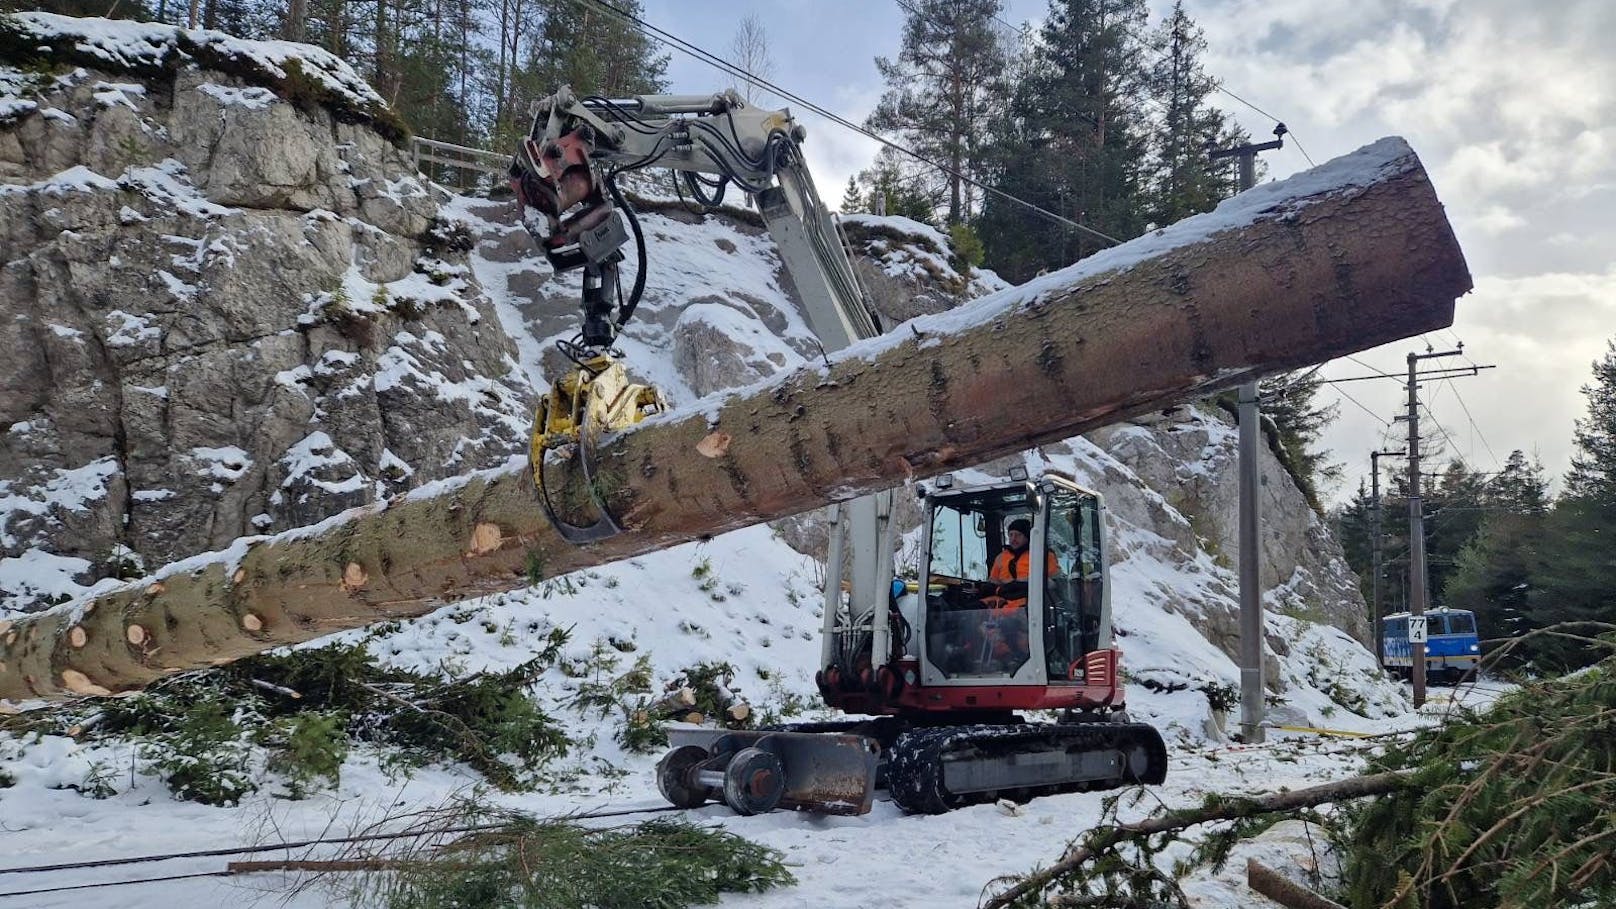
{"points": [[1349, 256]]}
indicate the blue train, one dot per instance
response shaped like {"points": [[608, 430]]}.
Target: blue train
{"points": [[1452, 649]]}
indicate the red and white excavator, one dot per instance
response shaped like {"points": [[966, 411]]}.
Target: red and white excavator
{"points": [[936, 672]]}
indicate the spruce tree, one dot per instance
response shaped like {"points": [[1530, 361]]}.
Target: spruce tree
{"points": [[1593, 465], [1455, 506], [942, 90], [1291, 402], [852, 197], [897, 188], [1075, 142], [1354, 530], [1183, 181], [1494, 571]]}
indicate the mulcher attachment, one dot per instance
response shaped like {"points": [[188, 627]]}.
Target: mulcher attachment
{"points": [[756, 772]]}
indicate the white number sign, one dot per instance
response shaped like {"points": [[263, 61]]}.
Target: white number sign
{"points": [[1416, 629]]}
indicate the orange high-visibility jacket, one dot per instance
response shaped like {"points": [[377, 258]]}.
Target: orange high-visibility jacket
{"points": [[1017, 566]]}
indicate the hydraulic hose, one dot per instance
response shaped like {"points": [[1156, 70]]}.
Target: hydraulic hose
{"points": [[627, 309]]}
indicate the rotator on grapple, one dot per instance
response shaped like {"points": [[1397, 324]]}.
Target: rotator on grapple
{"points": [[939, 666]]}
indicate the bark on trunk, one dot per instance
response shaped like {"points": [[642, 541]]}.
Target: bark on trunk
{"points": [[1331, 262]]}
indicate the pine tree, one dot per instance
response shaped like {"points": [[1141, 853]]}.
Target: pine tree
{"points": [[1075, 142], [1183, 180], [942, 89], [595, 52]]}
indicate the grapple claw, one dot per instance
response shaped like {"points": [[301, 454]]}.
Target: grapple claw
{"points": [[596, 397]]}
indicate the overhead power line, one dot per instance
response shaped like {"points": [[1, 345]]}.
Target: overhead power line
{"points": [[692, 50], [1473, 427], [1360, 404]]}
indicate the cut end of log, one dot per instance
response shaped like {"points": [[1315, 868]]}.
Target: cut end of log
{"points": [[694, 717], [354, 577], [715, 445], [239, 576], [251, 622], [485, 538], [135, 634], [11, 638], [739, 712], [155, 589], [79, 683], [77, 637]]}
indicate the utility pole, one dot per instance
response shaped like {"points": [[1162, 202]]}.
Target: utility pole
{"points": [[1251, 617], [1375, 540], [1416, 526]]}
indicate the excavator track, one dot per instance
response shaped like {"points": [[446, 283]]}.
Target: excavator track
{"points": [[931, 771]]}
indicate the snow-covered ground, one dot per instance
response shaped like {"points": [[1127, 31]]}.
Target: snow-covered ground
{"points": [[884, 857]]}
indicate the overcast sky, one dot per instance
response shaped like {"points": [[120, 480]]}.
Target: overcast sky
{"points": [[1511, 106]]}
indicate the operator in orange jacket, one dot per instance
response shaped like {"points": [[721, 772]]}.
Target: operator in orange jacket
{"points": [[1008, 581]]}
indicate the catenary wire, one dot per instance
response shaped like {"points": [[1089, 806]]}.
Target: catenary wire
{"points": [[1473, 425]]}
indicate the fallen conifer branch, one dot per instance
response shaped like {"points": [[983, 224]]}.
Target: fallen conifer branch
{"points": [[1218, 808]]}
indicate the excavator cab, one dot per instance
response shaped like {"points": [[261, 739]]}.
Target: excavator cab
{"points": [[994, 616]]}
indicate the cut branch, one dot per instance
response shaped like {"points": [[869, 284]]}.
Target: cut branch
{"points": [[1104, 838], [1348, 256]]}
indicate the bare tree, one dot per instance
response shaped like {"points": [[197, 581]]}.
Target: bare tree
{"points": [[750, 52]]}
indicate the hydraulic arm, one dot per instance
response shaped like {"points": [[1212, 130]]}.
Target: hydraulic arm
{"points": [[565, 176]]}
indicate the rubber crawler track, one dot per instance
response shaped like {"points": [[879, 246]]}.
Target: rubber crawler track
{"points": [[915, 764]]}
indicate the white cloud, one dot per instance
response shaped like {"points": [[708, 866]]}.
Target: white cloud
{"points": [[1544, 332]]}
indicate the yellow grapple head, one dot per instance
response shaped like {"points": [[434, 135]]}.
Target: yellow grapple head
{"points": [[599, 395]]}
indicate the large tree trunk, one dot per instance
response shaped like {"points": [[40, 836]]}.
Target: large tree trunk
{"points": [[1349, 256]]}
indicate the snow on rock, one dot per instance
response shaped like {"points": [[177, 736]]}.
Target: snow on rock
{"points": [[146, 48], [250, 268]]}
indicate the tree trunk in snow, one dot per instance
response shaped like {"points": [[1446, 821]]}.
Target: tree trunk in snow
{"points": [[1351, 255]]}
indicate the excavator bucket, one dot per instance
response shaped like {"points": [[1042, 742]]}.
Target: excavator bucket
{"points": [[755, 771]]}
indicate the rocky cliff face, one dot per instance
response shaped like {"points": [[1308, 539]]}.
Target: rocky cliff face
{"points": [[225, 313]]}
